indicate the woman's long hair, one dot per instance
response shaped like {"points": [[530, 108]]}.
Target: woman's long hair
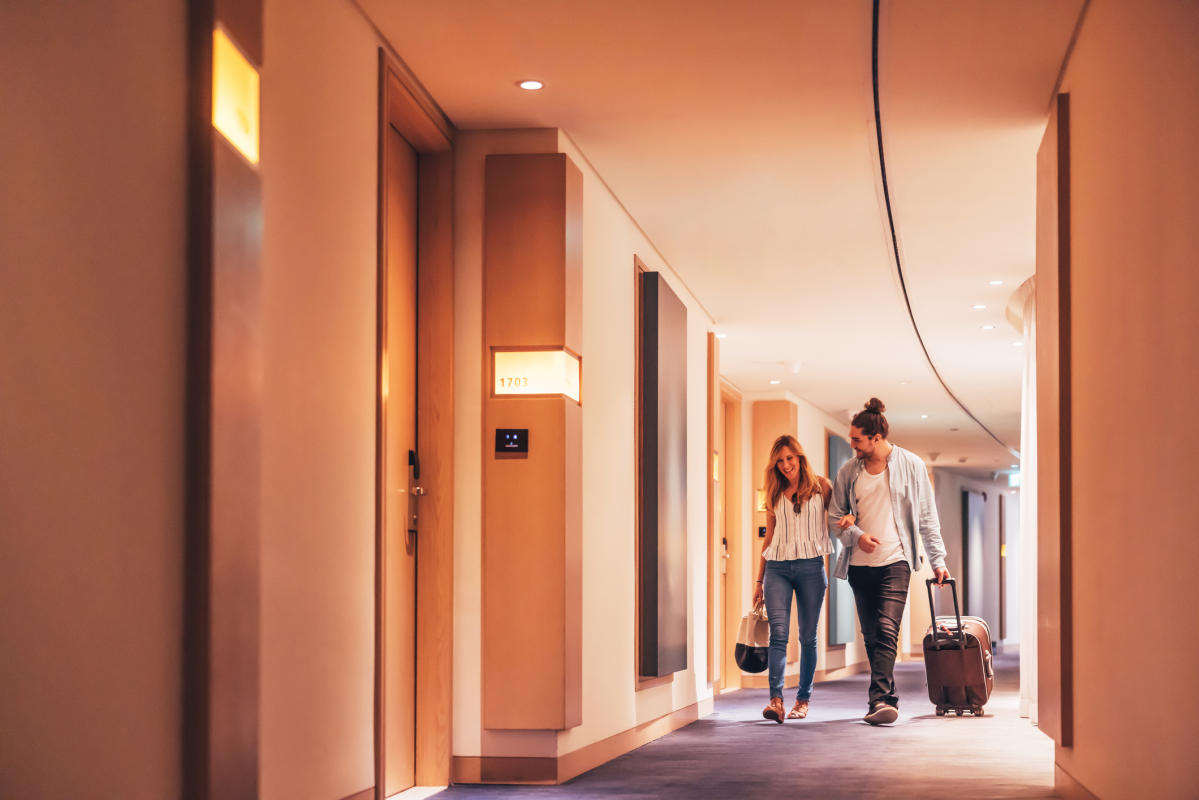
{"points": [[777, 483]]}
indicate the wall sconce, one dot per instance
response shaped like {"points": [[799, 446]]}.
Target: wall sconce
{"points": [[536, 373], [234, 96], [760, 502]]}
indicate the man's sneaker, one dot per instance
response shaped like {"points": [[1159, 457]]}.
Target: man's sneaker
{"points": [[882, 714]]}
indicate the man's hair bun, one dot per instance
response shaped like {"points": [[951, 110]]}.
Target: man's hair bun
{"points": [[870, 420]]}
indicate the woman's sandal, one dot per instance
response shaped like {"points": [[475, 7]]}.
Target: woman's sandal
{"points": [[799, 710], [774, 711]]}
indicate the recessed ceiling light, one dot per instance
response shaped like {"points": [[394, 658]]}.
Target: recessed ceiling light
{"points": [[993, 283], [775, 383], [1017, 344], [924, 416], [722, 336], [905, 383], [531, 85], [1015, 466], [988, 327], [978, 306]]}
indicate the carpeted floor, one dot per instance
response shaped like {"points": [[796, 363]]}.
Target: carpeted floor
{"points": [[734, 753]]}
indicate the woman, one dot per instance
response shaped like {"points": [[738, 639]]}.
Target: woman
{"points": [[793, 562]]}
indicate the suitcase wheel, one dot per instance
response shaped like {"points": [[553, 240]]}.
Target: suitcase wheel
{"points": [[940, 711], [977, 710], [958, 711]]}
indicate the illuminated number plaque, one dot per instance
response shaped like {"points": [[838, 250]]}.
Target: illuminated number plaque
{"points": [[536, 372]]}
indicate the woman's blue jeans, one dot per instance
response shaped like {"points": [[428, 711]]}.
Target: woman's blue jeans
{"points": [[806, 579]]}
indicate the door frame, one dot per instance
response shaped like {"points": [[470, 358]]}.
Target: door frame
{"points": [[734, 531], [404, 105]]}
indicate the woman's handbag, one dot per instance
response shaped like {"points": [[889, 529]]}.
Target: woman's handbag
{"points": [[753, 641]]}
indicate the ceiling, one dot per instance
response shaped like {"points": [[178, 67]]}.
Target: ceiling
{"points": [[741, 137]]}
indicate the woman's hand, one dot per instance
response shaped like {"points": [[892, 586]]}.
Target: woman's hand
{"points": [[758, 594], [846, 521]]}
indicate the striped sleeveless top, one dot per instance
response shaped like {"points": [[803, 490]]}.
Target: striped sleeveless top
{"points": [[799, 535]]}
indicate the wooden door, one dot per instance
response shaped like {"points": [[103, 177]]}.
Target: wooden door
{"points": [[399, 465]]}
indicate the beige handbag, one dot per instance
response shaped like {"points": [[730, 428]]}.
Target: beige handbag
{"points": [[753, 641]]}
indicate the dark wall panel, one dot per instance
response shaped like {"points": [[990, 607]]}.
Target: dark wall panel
{"points": [[664, 479], [842, 613]]}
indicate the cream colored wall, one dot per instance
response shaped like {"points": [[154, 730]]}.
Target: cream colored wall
{"points": [[1133, 82], [319, 152], [92, 351], [610, 240]]}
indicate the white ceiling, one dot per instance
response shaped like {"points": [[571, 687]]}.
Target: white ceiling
{"points": [[741, 137]]}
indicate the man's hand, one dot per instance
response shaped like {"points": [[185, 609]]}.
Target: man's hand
{"points": [[940, 573], [867, 543]]}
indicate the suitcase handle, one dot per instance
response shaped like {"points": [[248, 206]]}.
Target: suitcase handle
{"points": [[953, 585]]}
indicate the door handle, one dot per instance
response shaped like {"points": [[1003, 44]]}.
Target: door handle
{"points": [[414, 491]]}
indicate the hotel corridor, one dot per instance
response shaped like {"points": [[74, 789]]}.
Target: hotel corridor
{"points": [[389, 390], [733, 752]]}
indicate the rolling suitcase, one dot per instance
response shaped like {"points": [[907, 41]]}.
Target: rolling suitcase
{"points": [[957, 659]]}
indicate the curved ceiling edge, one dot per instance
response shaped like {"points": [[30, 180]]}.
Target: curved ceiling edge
{"points": [[882, 165]]}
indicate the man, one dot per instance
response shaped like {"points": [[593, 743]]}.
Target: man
{"points": [[880, 500]]}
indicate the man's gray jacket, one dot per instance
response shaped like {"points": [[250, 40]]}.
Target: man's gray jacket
{"points": [[912, 503]]}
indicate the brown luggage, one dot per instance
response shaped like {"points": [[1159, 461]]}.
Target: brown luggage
{"points": [[957, 659]]}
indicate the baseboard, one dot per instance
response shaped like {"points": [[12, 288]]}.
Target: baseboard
{"points": [[1065, 786], [842, 672], [492, 769], [501, 769], [366, 794], [591, 756], [762, 681], [791, 679]]}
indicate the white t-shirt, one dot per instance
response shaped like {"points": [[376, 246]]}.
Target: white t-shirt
{"points": [[876, 518]]}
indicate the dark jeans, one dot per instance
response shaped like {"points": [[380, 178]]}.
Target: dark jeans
{"points": [[880, 594], [805, 578]]}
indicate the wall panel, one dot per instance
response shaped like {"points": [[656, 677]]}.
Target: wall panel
{"points": [[663, 540]]}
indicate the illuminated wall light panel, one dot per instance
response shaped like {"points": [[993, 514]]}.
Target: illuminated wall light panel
{"points": [[536, 372], [234, 96]]}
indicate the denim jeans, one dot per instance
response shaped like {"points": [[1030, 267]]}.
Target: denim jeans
{"points": [[880, 594], [806, 579]]}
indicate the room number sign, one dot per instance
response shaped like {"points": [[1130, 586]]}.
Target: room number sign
{"points": [[535, 372]]}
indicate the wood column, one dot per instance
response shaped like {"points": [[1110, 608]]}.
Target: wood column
{"points": [[224, 374], [532, 502], [1055, 613]]}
